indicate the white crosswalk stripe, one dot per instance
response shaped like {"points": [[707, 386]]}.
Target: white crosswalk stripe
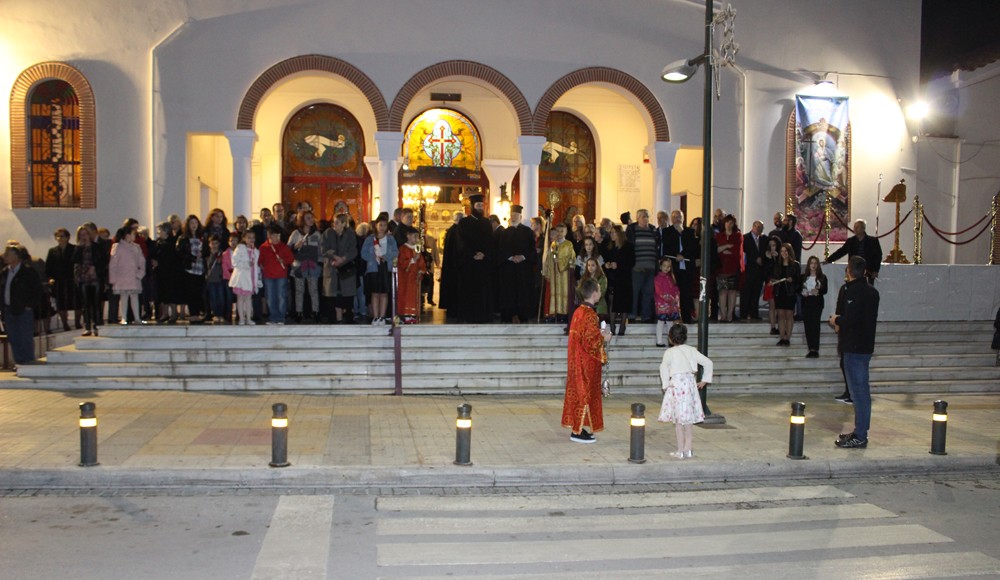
{"points": [[297, 542], [776, 532], [913, 566], [617, 501], [585, 550], [674, 521]]}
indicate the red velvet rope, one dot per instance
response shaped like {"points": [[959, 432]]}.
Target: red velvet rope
{"points": [[901, 222], [972, 239], [963, 231], [819, 231]]}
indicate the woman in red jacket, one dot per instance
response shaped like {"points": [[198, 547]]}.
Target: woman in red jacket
{"points": [[727, 278]]}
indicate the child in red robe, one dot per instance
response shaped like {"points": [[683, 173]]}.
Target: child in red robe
{"points": [[411, 267], [582, 405]]}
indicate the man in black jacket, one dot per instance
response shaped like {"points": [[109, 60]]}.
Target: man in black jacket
{"points": [[861, 244], [754, 246], [22, 289], [855, 325], [678, 242]]}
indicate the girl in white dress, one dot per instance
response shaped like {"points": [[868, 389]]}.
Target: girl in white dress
{"points": [[245, 280], [681, 402]]}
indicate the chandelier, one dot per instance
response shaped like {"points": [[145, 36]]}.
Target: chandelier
{"points": [[415, 195]]}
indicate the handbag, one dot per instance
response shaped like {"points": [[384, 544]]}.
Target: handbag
{"points": [[347, 269]]}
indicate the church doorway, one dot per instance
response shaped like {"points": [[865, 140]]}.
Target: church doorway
{"points": [[442, 149], [567, 172], [322, 153]]}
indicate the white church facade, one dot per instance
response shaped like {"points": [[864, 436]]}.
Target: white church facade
{"points": [[181, 107]]}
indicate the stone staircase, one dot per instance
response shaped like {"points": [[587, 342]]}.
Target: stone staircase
{"points": [[911, 357]]}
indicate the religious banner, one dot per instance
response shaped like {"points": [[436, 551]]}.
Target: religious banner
{"points": [[819, 165]]}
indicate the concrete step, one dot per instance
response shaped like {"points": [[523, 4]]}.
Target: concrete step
{"points": [[760, 359], [553, 385], [937, 356]]}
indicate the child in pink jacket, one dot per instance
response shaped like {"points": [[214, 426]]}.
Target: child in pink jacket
{"points": [[125, 272]]}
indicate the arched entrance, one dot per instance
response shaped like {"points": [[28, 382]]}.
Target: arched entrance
{"points": [[322, 156], [567, 172], [442, 147]]}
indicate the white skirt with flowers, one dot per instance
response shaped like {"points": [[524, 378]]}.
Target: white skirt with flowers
{"points": [[681, 403]]}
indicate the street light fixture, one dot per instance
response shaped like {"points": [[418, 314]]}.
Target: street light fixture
{"points": [[678, 72], [681, 70]]}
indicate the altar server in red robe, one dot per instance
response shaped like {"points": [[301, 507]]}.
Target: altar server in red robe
{"points": [[582, 405], [411, 269]]}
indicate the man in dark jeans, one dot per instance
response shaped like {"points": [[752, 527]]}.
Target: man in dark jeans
{"points": [[855, 325], [645, 239]]}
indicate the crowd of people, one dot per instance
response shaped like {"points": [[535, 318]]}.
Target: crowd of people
{"points": [[287, 266], [646, 272]]}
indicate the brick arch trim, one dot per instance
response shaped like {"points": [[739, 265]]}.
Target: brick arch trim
{"points": [[463, 68], [27, 80], [311, 62], [602, 75]]}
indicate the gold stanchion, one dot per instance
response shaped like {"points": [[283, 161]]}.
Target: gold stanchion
{"points": [[897, 195], [827, 213], [994, 236], [918, 230]]}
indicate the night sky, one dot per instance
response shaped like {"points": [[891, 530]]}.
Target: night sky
{"points": [[955, 32]]}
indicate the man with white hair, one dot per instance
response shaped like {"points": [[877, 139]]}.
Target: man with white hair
{"points": [[861, 244]]}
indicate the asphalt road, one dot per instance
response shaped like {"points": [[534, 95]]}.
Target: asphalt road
{"points": [[877, 528]]}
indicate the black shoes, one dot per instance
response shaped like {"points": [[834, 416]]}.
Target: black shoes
{"points": [[583, 437], [783, 342], [812, 354], [774, 331], [850, 441], [845, 398]]}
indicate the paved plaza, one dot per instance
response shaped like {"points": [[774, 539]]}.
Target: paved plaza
{"points": [[167, 439]]}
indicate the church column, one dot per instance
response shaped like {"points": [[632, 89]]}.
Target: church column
{"points": [[499, 171], [241, 146], [661, 157], [374, 170], [389, 145], [531, 157]]}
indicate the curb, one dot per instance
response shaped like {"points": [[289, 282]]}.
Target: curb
{"points": [[448, 476]]}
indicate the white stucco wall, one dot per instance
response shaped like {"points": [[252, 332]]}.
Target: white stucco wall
{"points": [[164, 71]]}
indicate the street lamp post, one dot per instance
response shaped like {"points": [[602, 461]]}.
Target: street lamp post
{"points": [[678, 72]]}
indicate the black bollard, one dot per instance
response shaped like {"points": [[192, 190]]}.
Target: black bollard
{"points": [[797, 431], [463, 435], [939, 428], [88, 435], [637, 443], [279, 435]]}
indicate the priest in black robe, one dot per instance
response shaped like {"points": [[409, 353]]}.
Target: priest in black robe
{"points": [[448, 293], [516, 258], [476, 260]]}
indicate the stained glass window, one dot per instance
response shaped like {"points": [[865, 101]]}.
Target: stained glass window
{"points": [[568, 168], [442, 138], [323, 154], [54, 145]]}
